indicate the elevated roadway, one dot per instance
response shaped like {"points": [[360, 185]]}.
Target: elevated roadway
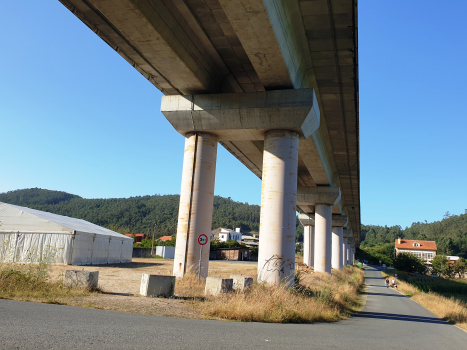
{"points": [[199, 51]]}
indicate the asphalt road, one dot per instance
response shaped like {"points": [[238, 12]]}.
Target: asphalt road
{"points": [[388, 321]]}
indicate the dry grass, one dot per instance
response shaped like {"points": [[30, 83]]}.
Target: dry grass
{"points": [[31, 282], [317, 297], [449, 309]]}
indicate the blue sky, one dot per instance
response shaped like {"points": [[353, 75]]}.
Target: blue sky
{"points": [[76, 117]]}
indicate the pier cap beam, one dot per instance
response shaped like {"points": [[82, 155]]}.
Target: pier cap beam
{"points": [[306, 219], [318, 195], [339, 220], [244, 116], [347, 233]]}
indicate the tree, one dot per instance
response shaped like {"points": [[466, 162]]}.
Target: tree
{"points": [[441, 266], [409, 263], [460, 267]]}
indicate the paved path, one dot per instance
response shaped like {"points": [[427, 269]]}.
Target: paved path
{"points": [[388, 321]]}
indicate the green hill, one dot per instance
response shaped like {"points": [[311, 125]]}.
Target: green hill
{"points": [[450, 234], [134, 214]]}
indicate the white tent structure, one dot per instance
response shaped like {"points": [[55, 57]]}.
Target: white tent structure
{"points": [[27, 235]]}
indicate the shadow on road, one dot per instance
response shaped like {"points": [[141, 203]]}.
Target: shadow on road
{"points": [[386, 295], [399, 317]]}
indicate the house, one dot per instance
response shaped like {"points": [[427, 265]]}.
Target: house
{"points": [[165, 238], [250, 239], [137, 236], [224, 234], [425, 250], [452, 259]]}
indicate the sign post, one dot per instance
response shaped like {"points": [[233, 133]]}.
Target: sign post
{"points": [[202, 240]]}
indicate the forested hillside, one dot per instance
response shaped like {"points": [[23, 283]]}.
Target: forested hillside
{"points": [[134, 214], [450, 234]]}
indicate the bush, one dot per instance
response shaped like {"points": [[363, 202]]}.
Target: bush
{"points": [[409, 263], [441, 266]]}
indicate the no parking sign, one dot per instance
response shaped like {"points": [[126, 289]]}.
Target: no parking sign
{"points": [[202, 239]]}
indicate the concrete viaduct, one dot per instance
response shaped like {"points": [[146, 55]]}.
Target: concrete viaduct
{"points": [[275, 82]]}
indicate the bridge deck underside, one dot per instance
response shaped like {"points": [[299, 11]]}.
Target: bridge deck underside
{"points": [[211, 46]]}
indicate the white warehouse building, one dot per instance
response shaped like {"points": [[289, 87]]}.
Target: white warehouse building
{"points": [[27, 235]]}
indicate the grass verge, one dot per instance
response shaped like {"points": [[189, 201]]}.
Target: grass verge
{"points": [[31, 283], [448, 307], [316, 297]]}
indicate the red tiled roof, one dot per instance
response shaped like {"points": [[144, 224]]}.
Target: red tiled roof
{"points": [[135, 234], [165, 238], [409, 244]]}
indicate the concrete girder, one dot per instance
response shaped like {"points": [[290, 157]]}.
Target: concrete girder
{"points": [[159, 37], [244, 116], [253, 28]]}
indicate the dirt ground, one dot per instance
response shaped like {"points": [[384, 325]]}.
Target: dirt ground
{"points": [[120, 284]]}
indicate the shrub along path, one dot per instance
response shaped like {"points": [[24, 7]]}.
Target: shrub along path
{"points": [[389, 320]]}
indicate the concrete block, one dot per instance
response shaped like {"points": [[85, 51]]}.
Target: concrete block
{"points": [[157, 285], [217, 285], [81, 279], [241, 282]]}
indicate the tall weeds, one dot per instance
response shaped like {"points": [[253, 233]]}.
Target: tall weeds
{"points": [[30, 280], [316, 297]]}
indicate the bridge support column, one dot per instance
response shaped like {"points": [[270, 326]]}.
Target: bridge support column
{"points": [[276, 256], [323, 198], [308, 223], [323, 238], [338, 223], [344, 251], [196, 203], [347, 233]]}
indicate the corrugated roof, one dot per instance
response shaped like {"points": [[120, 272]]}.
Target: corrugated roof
{"points": [[409, 244], [71, 223]]}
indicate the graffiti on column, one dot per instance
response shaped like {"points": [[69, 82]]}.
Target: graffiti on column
{"points": [[276, 264]]}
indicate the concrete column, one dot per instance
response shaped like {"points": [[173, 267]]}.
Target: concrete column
{"points": [[323, 198], [338, 223], [323, 238], [308, 222], [196, 202], [276, 256], [344, 251], [347, 233]]}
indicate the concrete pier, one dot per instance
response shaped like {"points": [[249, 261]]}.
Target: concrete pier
{"points": [[323, 238], [308, 222], [196, 202], [338, 223], [276, 257]]}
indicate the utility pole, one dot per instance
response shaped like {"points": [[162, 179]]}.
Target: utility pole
{"points": [[153, 235]]}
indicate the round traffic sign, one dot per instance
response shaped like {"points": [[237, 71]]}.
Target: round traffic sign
{"points": [[202, 239]]}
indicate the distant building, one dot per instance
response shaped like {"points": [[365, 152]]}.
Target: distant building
{"points": [[224, 234], [165, 238], [452, 259], [238, 254], [425, 250], [138, 236], [250, 239]]}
